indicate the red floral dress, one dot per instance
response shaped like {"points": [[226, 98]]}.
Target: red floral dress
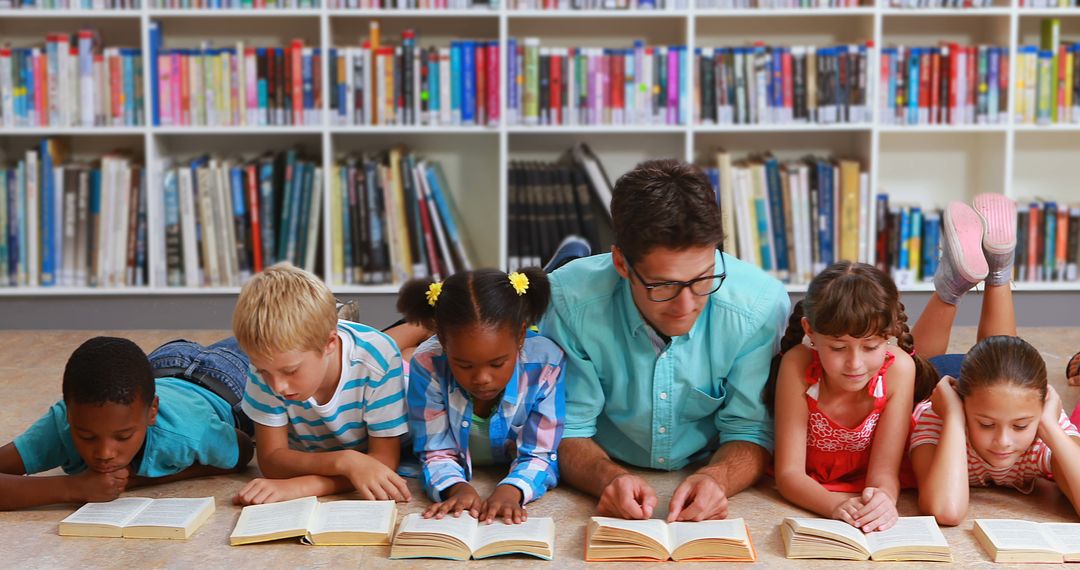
{"points": [[838, 456]]}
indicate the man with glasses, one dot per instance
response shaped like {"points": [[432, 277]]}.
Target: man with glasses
{"points": [[668, 342]]}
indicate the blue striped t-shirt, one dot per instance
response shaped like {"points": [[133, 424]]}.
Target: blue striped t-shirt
{"points": [[369, 401]]}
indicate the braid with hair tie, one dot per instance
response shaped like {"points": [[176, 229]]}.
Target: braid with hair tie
{"points": [[793, 335]]}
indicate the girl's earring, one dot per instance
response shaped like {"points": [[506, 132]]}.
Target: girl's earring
{"points": [[811, 344]]}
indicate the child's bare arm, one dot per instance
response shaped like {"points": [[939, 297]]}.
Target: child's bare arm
{"points": [[1065, 450], [386, 449], [889, 445], [941, 470], [18, 491], [259, 491]]}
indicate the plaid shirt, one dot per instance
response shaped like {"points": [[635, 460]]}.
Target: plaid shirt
{"points": [[529, 418]]}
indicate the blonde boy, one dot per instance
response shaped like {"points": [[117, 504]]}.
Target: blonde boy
{"points": [[327, 396]]}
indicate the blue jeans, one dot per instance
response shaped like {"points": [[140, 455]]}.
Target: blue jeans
{"points": [[947, 364], [221, 368]]}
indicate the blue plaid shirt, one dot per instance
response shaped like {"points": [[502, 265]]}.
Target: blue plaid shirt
{"points": [[528, 419]]}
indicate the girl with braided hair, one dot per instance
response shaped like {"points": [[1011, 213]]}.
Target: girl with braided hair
{"points": [[842, 393]]}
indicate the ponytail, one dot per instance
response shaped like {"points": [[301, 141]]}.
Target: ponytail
{"points": [[793, 337], [413, 303]]}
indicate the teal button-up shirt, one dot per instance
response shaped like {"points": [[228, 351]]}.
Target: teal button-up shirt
{"points": [[660, 409]]}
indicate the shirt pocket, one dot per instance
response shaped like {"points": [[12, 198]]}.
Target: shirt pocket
{"points": [[699, 403]]}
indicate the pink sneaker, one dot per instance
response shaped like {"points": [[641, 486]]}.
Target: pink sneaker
{"points": [[962, 261], [998, 214]]}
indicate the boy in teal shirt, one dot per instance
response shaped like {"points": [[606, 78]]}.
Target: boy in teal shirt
{"points": [[118, 427]]}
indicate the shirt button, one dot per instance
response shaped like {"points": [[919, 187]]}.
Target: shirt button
{"points": [[554, 456], [663, 395], [465, 423], [662, 429], [660, 460]]}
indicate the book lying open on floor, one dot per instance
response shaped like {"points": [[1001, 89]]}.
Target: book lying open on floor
{"points": [[322, 524], [459, 538], [1007, 540], [139, 517], [911, 539], [609, 539]]}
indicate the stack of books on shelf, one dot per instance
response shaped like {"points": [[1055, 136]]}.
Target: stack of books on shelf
{"points": [[377, 84], [71, 82], [923, 4], [393, 218], [235, 86], [227, 219], [1047, 242], [1042, 4], [598, 4], [70, 4], [234, 4], [412, 4], [774, 4], [596, 86], [1048, 79], [780, 85], [549, 201], [948, 84], [72, 224]]}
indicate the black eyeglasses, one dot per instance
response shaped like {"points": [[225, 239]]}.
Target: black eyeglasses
{"points": [[662, 291]]}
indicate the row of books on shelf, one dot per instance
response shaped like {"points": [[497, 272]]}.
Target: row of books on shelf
{"points": [[235, 86], [923, 4], [595, 86], [227, 219], [1041, 4], [70, 4], [1048, 78], [774, 84], [71, 82], [948, 84], [615, 5], [72, 224], [774, 4], [393, 217], [1047, 242], [548, 201], [409, 85], [234, 4]]}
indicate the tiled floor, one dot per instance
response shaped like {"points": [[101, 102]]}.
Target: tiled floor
{"points": [[30, 370]]}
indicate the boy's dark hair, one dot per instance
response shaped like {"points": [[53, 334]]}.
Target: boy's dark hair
{"points": [[1002, 359], [854, 299], [107, 369], [484, 296], [664, 203]]}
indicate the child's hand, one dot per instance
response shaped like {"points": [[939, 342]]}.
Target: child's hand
{"points": [[878, 511], [459, 498], [945, 401], [848, 510], [505, 502], [1051, 413], [373, 480], [260, 491], [95, 487]]}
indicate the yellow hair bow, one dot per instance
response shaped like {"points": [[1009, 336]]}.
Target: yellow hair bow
{"points": [[520, 282], [433, 292]]}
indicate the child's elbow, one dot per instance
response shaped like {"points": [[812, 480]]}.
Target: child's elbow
{"points": [[947, 513]]}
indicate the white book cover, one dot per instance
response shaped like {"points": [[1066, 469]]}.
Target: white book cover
{"points": [[192, 271], [32, 176]]}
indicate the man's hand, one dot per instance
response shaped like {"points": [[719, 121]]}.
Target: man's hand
{"points": [[372, 479], [628, 497], [259, 491], [878, 511], [699, 497], [504, 502], [459, 498], [94, 487]]}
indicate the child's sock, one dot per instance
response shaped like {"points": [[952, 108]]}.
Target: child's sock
{"points": [[999, 238], [962, 261]]}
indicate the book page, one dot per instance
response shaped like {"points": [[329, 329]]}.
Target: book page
{"points": [[535, 529], [1067, 535], [835, 527], [257, 520], [1009, 534], [114, 513], [683, 532], [178, 513], [908, 532], [462, 528], [353, 516], [655, 529]]}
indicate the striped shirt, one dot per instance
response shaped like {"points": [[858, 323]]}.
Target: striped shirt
{"points": [[529, 418], [369, 401], [1033, 464]]}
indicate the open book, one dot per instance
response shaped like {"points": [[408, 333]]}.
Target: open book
{"points": [[911, 539], [322, 524], [459, 538], [139, 517], [609, 539], [1008, 540]]}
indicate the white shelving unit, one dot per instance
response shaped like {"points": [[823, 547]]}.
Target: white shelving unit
{"points": [[927, 165]]}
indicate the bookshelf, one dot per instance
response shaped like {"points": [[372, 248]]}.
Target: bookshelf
{"points": [[926, 165]]}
